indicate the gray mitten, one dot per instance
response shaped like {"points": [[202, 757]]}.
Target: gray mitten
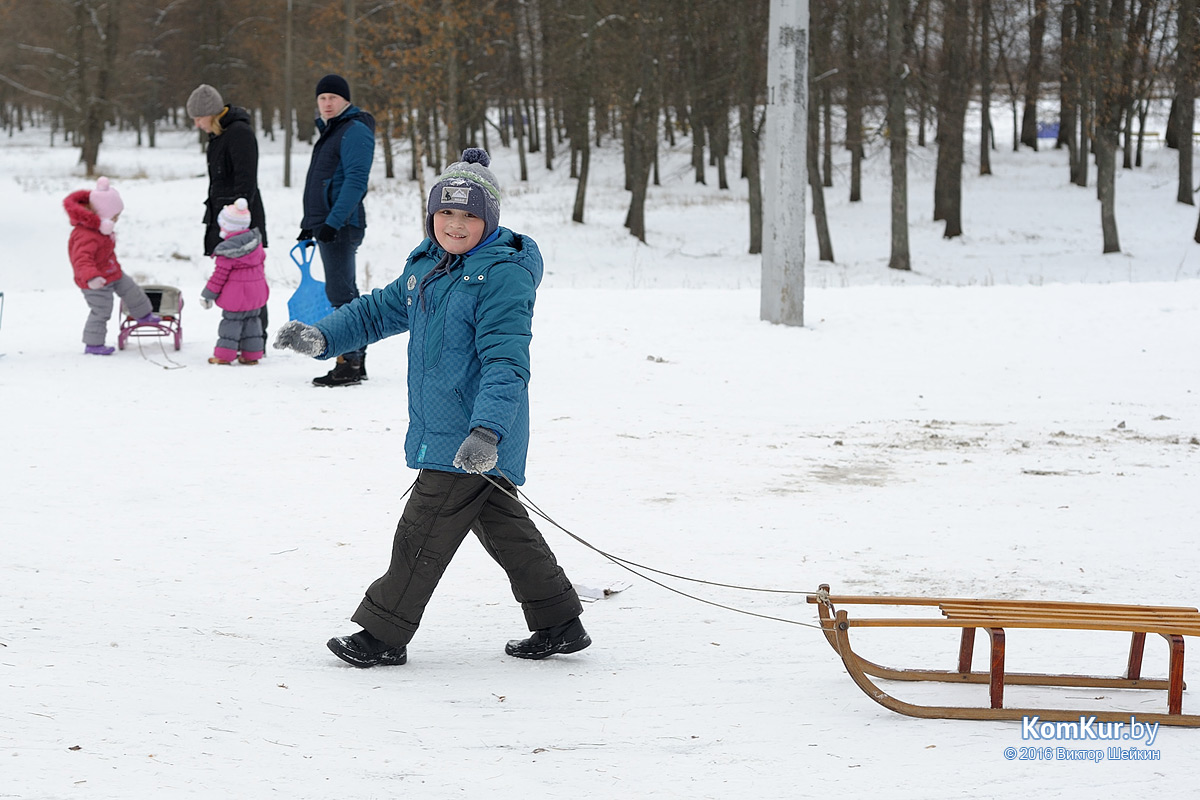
{"points": [[304, 339], [477, 453]]}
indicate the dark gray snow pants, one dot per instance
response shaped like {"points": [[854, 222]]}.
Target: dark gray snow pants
{"points": [[443, 507]]}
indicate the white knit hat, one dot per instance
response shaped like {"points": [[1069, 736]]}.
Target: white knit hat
{"points": [[106, 202], [234, 218]]}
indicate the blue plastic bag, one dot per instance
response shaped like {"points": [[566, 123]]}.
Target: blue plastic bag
{"points": [[309, 302]]}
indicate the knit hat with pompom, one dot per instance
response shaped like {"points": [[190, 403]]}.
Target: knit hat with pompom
{"points": [[467, 185], [234, 218], [106, 202]]}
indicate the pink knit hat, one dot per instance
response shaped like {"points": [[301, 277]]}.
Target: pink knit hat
{"points": [[106, 202], [234, 218]]}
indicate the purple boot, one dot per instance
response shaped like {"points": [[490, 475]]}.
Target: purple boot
{"points": [[98, 350], [149, 319]]}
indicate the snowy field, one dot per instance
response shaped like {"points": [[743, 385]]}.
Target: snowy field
{"points": [[1018, 417]]}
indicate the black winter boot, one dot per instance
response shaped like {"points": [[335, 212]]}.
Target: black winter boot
{"points": [[570, 637], [345, 373], [362, 366], [364, 650]]}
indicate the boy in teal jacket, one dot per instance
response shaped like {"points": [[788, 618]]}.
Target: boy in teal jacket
{"points": [[466, 299]]}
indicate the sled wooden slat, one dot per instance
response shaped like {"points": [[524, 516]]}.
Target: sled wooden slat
{"points": [[1131, 624], [997, 616]]}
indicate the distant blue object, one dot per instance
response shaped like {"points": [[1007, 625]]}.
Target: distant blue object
{"points": [[1048, 130], [309, 302]]}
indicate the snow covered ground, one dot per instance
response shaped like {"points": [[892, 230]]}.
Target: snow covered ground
{"points": [[1016, 418]]}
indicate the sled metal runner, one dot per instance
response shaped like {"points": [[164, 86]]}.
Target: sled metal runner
{"points": [[995, 616]]}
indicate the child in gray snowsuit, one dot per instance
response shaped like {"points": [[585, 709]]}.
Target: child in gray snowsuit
{"points": [[92, 250], [239, 286]]}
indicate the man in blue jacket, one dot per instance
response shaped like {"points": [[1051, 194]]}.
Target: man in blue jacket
{"points": [[333, 205], [466, 300]]}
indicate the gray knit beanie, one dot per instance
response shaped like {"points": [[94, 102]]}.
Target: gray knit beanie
{"points": [[205, 101], [470, 186]]}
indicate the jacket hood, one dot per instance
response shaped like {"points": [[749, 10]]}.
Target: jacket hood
{"points": [[238, 245], [78, 212], [234, 115]]}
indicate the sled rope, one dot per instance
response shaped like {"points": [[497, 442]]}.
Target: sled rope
{"points": [[171, 364], [633, 566]]}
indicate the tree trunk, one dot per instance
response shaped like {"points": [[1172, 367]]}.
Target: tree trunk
{"points": [[923, 13], [97, 102], [1185, 94], [389, 164], [897, 13], [854, 99], [750, 156], [821, 67], [720, 147], [641, 136], [1106, 187], [1069, 83], [640, 157], [824, 243], [1085, 49], [585, 159], [985, 88], [1033, 75], [952, 109], [522, 158], [1136, 33], [1110, 29], [827, 136]]}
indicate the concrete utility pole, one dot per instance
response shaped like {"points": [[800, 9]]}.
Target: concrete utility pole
{"points": [[785, 170]]}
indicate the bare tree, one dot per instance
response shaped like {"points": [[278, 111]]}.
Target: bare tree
{"points": [[1131, 59], [95, 83], [1185, 94], [1005, 37], [752, 79], [952, 109], [854, 95], [1033, 75], [824, 243], [1068, 93], [985, 88], [1153, 56], [898, 72], [1109, 35]]}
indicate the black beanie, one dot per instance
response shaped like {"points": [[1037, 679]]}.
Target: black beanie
{"points": [[333, 84]]}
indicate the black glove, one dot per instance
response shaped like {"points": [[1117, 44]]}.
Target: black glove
{"points": [[327, 233], [477, 453], [305, 235]]}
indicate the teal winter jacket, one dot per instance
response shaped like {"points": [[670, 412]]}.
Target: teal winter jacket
{"points": [[469, 324]]}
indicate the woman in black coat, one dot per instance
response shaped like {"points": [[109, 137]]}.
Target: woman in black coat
{"points": [[232, 164]]}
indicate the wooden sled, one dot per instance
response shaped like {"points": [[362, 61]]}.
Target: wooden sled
{"points": [[995, 616]]}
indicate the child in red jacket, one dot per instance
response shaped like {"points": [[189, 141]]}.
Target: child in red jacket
{"points": [[92, 249]]}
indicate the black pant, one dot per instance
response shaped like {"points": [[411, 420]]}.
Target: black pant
{"points": [[443, 507]]}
